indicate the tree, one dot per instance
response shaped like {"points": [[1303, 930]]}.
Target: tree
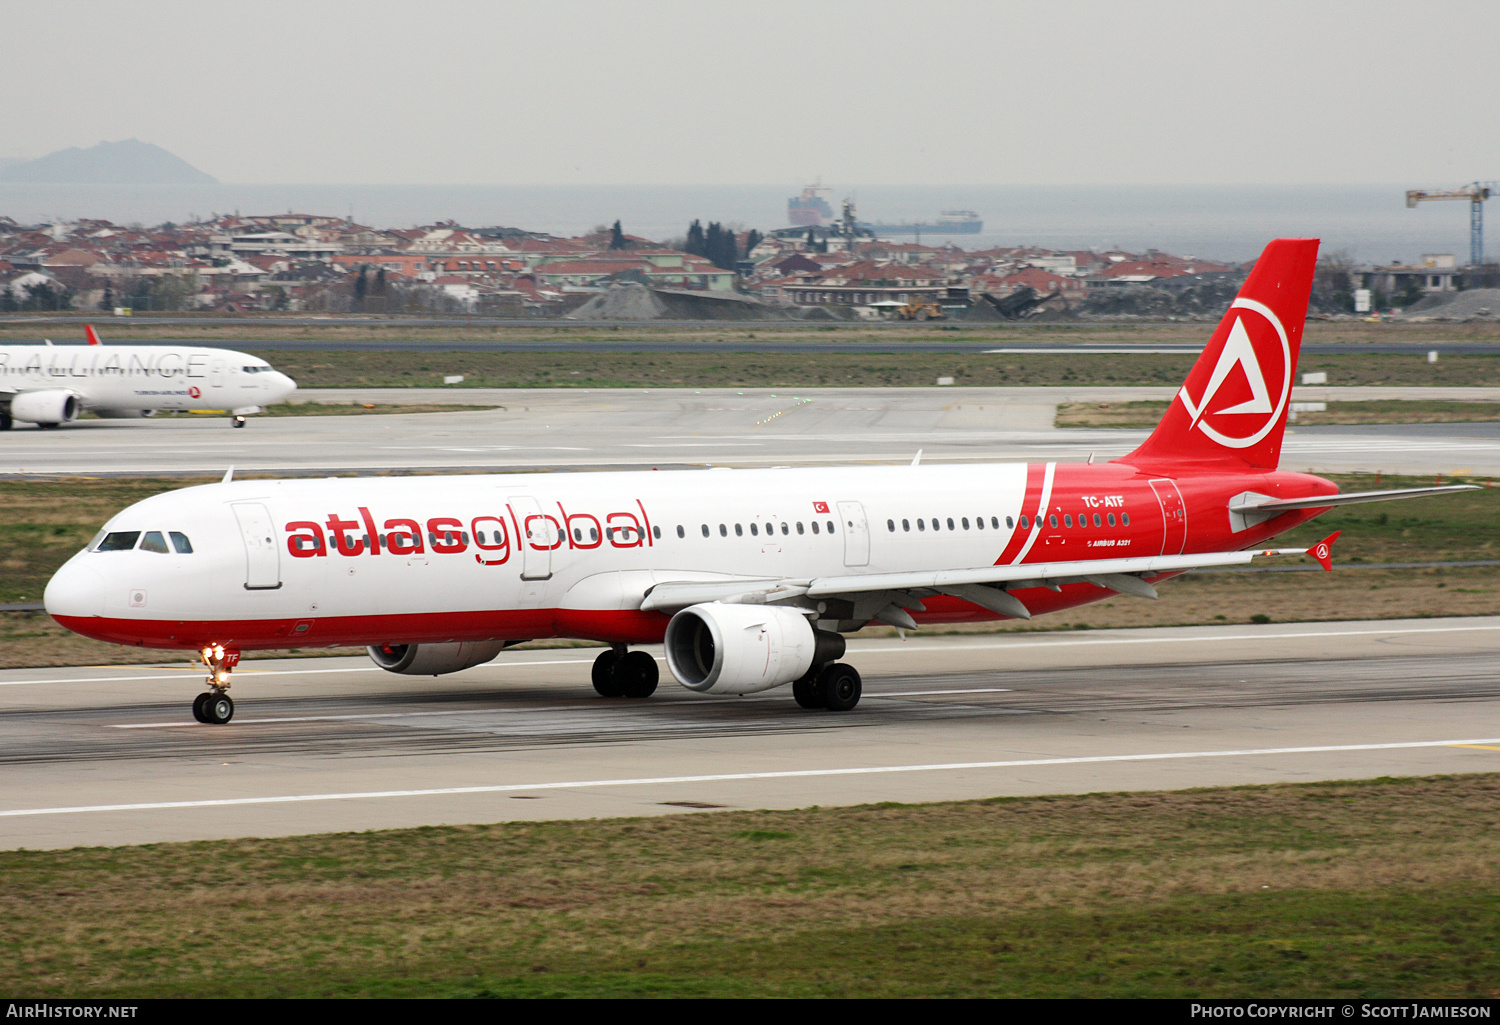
{"points": [[108, 300], [753, 239], [617, 237], [361, 286], [1333, 281], [694, 243]]}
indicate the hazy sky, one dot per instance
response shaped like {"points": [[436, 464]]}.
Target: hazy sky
{"points": [[665, 92]]}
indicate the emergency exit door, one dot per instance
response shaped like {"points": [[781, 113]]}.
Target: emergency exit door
{"points": [[856, 534]]}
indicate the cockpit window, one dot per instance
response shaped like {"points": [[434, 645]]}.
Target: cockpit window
{"points": [[181, 543], [119, 541], [154, 542]]}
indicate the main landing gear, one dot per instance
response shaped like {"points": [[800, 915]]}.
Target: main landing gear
{"points": [[215, 706], [835, 687], [237, 421], [619, 673]]}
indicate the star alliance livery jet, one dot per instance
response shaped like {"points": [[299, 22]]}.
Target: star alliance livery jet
{"points": [[749, 577], [49, 385]]}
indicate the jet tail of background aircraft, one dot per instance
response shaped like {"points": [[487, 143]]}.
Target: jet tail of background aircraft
{"points": [[1230, 413]]}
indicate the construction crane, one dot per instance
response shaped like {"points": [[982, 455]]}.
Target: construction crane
{"points": [[1476, 193]]}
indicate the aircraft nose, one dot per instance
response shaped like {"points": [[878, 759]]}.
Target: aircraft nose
{"points": [[74, 590], [281, 385]]}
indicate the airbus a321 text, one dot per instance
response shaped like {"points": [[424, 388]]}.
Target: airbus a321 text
{"points": [[749, 577], [49, 385]]}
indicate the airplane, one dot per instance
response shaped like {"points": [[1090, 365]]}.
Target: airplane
{"points": [[50, 385], [750, 578]]}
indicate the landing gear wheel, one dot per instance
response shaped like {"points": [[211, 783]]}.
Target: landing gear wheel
{"points": [[218, 709], [200, 711], [238, 421], [805, 691], [606, 674], [636, 675], [840, 687], [6, 423]]}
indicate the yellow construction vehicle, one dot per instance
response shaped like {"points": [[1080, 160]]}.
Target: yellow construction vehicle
{"points": [[920, 311]]}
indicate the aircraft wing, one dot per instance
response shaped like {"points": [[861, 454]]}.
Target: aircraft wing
{"points": [[1264, 504], [986, 586]]}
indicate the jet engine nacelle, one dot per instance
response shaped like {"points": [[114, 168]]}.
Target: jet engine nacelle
{"points": [[433, 659], [715, 648], [57, 406], [123, 414]]}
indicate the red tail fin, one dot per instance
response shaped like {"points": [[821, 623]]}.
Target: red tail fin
{"points": [[1231, 411], [93, 335]]}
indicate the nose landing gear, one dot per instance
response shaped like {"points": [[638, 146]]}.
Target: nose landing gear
{"points": [[215, 706], [237, 421]]}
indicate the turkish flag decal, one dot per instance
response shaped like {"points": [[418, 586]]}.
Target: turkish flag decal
{"points": [[820, 507]]}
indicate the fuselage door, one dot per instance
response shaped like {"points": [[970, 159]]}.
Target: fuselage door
{"points": [[856, 534], [216, 374], [262, 555], [539, 536], [1174, 516]]}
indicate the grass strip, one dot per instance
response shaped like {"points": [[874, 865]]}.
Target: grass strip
{"points": [[1384, 887], [223, 330], [1147, 414], [731, 369]]}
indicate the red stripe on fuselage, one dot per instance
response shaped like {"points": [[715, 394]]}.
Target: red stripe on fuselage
{"points": [[1035, 473]]}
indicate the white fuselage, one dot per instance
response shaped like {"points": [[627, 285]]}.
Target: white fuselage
{"points": [[142, 377], [518, 555], [402, 560]]}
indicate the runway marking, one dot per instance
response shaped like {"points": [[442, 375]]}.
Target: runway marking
{"points": [[927, 646], [1480, 747], [286, 672], [926, 693], [730, 777], [488, 710]]}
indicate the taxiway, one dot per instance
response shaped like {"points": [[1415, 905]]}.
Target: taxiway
{"points": [[542, 429], [110, 755]]}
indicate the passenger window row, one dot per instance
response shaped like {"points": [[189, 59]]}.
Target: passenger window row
{"points": [[1083, 520], [769, 529], [149, 541], [962, 523]]}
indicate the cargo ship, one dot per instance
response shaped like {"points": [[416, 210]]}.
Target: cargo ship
{"points": [[949, 222], [810, 209]]}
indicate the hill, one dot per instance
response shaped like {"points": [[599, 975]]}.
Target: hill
{"points": [[129, 162]]}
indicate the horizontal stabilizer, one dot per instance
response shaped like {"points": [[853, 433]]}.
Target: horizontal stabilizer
{"points": [[1323, 550]]}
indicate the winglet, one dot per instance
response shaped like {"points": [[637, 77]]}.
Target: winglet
{"points": [[1323, 550], [916, 460], [229, 476], [93, 335]]}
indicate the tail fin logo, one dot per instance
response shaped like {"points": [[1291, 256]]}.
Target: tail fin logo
{"points": [[1253, 349]]}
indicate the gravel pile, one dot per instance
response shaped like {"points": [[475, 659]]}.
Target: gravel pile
{"points": [[1474, 304], [629, 301]]}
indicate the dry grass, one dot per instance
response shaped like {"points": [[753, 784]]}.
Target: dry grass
{"points": [[1381, 411], [742, 369], [925, 897], [223, 330]]}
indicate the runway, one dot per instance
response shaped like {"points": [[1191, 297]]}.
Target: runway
{"points": [[545, 429], [110, 755]]}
